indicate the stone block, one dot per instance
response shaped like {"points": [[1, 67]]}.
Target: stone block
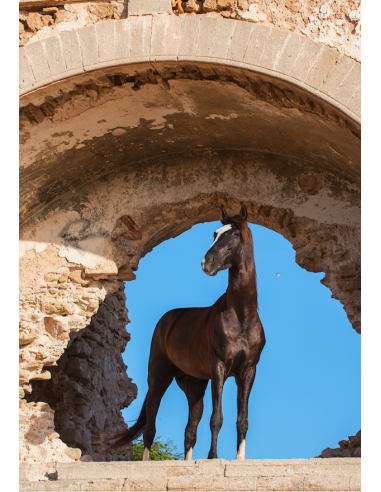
{"points": [[239, 76], [101, 485], [207, 72], [146, 484], [228, 484], [38, 61], [326, 483], [292, 48], [59, 485], [71, 50], [161, 7], [140, 36], [239, 41], [28, 486], [257, 43], [188, 34], [257, 470], [54, 54], [189, 484], [122, 39], [171, 36], [273, 48], [354, 104], [331, 85], [306, 59], [221, 39], [280, 483], [134, 7], [106, 41], [159, 27], [89, 45], [206, 35], [25, 72], [349, 85], [355, 483], [322, 67], [148, 7]]}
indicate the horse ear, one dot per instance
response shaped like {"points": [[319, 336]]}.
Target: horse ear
{"points": [[223, 213], [243, 212]]}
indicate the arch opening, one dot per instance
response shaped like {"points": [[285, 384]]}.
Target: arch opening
{"points": [[117, 160], [89, 385]]}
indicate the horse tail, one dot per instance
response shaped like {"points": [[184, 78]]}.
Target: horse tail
{"points": [[126, 436]]}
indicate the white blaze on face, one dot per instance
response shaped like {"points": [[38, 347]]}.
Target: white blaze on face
{"points": [[145, 454], [241, 451], [220, 231]]}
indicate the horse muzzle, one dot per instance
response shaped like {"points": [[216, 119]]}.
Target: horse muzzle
{"points": [[208, 266]]}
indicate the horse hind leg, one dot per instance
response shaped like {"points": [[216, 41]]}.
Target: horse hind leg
{"points": [[194, 390], [158, 383]]}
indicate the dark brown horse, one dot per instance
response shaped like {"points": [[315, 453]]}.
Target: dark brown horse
{"points": [[194, 345]]}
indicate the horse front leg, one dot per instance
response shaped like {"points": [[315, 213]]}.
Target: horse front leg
{"points": [[244, 385], [216, 419]]}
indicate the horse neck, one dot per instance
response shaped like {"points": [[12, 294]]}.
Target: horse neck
{"points": [[242, 287]]}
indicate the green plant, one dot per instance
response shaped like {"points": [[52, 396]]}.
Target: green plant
{"points": [[160, 450]]}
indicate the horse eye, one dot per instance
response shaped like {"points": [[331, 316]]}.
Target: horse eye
{"points": [[236, 234]]}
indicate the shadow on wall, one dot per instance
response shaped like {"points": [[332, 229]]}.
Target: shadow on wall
{"points": [[89, 385]]}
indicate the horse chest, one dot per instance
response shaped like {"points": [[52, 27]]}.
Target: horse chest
{"points": [[237, 342]]}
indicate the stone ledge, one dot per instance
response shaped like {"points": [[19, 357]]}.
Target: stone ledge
{"points": [[313, 474]]}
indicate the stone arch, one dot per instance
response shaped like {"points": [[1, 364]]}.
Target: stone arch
{"points": [[126, 147], [144, 39]]}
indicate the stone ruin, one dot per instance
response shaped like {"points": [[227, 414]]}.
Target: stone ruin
{"points": [[133, 128]]}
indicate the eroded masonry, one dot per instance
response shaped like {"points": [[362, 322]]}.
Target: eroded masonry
{"points": [[138, 121]]}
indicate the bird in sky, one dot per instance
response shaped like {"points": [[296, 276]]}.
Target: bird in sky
{"points": [[276, 274]]}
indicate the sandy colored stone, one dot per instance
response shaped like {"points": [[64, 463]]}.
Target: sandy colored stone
{"points": [[102, 10], [76, 276], [73, 453], [63, 16], [52, 305], [47, 20], [34, 21], [97, 237], [42, 376], [145, 484], [26, 335], [50, 10], [326, 483], [193, 6], [293, 5], [280, 483], [189, 484], [103, 485]]}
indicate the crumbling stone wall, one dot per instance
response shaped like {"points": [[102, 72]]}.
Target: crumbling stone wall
{"points": [[115, 161], [89, 385], [335, 23], [55, 302], [350, 448]]}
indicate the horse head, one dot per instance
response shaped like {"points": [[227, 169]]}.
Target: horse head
{"points": [[228, 247]]}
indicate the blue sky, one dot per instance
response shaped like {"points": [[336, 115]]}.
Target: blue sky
{"points": [[306, 394]]}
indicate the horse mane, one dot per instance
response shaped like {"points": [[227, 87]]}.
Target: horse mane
{"points": [[241, 223]]}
